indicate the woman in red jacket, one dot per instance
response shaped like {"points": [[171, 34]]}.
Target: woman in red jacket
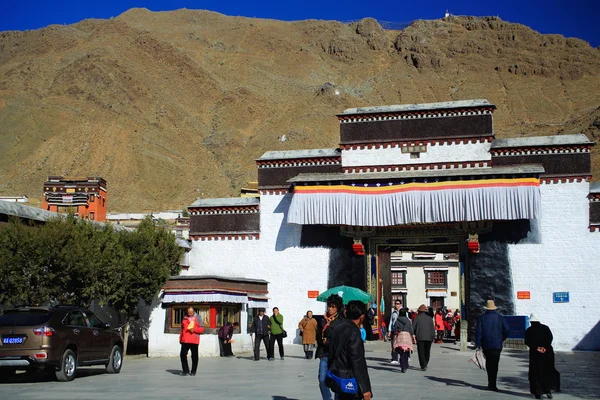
{"points": [[439, 326], [191, 328]]}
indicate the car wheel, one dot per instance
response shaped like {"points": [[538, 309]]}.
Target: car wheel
{"points": [[116, 360], [6, 374], [68, 366]]}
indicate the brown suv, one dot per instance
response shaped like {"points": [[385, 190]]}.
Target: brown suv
{"points": [[60, 338]]}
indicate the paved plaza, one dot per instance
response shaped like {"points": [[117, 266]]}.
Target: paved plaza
{"points": [[449, 376]]}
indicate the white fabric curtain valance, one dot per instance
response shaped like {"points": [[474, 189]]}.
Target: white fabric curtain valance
{"points": [[258, 304], [205, 298], [416, 203], [432, 293]]}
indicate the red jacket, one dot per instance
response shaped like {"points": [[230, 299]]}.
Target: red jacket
{"points": [[439, 322], [187, 336]]}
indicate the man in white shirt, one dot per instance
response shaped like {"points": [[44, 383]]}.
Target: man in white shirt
{"points": [[391, 333]]}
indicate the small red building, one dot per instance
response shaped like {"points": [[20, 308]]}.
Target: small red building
{"points": [[84, 197]]}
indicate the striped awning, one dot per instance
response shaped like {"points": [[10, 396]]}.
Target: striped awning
{"points": [[205, 298], [378, 204]]}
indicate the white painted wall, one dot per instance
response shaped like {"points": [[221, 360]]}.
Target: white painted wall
{"points": [[276, 257], [563, 256], [440, 153]]}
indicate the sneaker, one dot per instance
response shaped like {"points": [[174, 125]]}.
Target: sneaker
{"points": [[193, 374], [282, 358], [394, 362], [424, 368], [270, 359], [183, 374]]}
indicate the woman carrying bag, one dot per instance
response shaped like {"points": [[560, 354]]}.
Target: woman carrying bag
{"points": [[277, 334]]}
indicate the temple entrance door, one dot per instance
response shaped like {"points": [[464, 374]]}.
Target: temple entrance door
{"points": [[436, 302]]}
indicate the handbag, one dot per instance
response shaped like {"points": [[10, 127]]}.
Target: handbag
{"points": [[341, 385], [283, 332], [478, 359]]}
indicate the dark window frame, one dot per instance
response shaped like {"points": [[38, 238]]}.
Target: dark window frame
{"points": [[429, 285]]}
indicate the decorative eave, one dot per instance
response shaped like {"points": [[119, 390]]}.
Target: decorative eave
{"points": [[417, 167], [203, 283], [359, 145], [274, 191], [556, 178], [234, 205], [424, 175], [413, 111], [224, 210], [299, 162], [224, 236], [541, 150]]}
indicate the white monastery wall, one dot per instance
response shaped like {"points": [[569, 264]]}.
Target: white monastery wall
{"points": [[440, 153], [562, 256], [276, 257]]}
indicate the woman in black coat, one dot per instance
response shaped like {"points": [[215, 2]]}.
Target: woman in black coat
{"points": [[543, 377]]}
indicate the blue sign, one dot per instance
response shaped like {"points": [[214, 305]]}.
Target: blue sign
{"points": [[561, 297]]}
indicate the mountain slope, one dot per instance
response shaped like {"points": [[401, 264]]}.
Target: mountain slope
{"points": [[171, 106]]}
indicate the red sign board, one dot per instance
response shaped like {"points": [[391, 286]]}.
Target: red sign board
{"points": [[313, 294], [524, 295]]}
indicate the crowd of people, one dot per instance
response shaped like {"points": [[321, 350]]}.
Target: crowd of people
{"points": [[338, 342]]}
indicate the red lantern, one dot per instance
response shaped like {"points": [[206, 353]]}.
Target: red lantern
{"points": [[358, 248], [473, 243]]}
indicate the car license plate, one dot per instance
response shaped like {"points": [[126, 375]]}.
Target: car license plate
{"points": [[12, 340]]}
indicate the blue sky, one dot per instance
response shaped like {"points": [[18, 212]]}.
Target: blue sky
{"points": [[574, 18]]}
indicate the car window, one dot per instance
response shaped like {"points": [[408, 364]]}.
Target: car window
{"points": [[24, 318], [94, 321], [74, 318]]}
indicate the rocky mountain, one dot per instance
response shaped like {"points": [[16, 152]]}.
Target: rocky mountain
{"points": [[171, 106]]}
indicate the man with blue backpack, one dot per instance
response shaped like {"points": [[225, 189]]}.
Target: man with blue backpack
{"points": [[348, 376]]}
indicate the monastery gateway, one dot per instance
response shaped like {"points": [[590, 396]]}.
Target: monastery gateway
{"points": [[419, 202]]}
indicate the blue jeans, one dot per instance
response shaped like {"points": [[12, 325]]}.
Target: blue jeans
{"points": [[325, 393]]}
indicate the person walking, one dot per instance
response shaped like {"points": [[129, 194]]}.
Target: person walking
{"points": [[277, 334], [308, 331], [543, 377], [191, 328], [424, 334], [439, 326], [347, 354], [260, 329], [333, 318], [403, 339], [226, 338], [392, 333], [456, 326], [490, 333]]}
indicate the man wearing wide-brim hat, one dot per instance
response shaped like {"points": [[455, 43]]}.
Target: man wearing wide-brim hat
{"points": [[424, 335], [490, 334]]}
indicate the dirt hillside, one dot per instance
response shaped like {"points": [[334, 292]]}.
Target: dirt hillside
{"points": [[171, 106]]}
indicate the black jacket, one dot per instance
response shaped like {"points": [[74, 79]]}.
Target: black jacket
{"points": [[266, 322], [323, 348], [423, 327], [347, 355]]}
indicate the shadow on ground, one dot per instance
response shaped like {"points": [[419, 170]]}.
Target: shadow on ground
{"points": [[456, 382], [49, 376]]}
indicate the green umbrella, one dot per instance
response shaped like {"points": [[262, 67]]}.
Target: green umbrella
{"points": [[347, 293]]}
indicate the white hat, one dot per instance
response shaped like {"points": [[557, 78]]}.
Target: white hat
{"points": [[533, 318]]}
